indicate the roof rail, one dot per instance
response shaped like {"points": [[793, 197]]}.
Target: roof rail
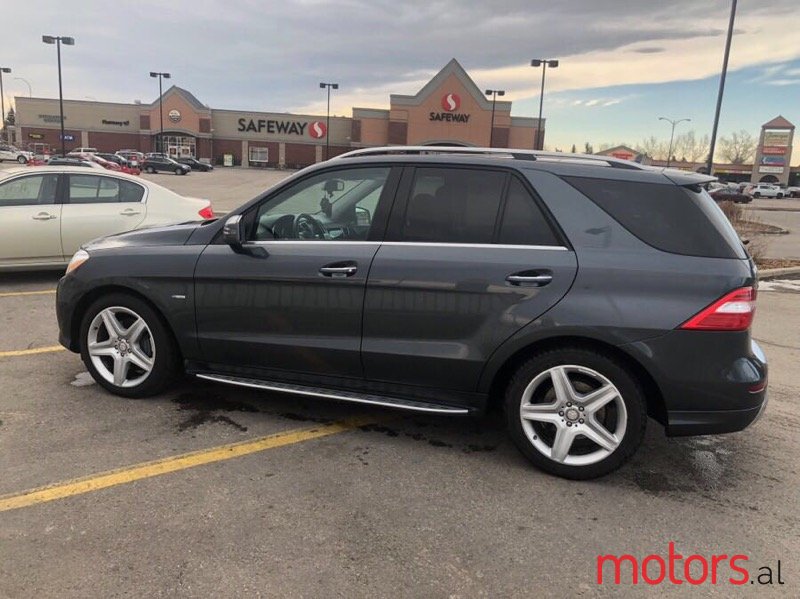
{"points": [[495, 152]]}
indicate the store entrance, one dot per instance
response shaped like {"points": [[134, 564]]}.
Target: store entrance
{"points": [[177, 146]]}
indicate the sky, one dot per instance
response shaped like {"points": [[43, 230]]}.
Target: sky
{"points": [[623, 63]]}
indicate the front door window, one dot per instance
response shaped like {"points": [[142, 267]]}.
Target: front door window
{"points": [[332, 206]]}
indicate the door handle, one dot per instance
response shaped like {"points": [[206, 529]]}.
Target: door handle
{"points": [[532, 280], [44, 216], [338, 272], [130, 212]]}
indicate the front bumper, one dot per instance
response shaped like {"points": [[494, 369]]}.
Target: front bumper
{"points": [[68, 294], [711, 382]]}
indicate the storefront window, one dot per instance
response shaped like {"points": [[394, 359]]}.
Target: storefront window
{"points": [[259, 155]]}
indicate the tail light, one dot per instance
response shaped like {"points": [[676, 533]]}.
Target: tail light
{"points": [[207, 212], [732, 312]]}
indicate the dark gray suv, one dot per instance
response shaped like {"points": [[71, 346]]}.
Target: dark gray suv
{"points": [[581, 294]]}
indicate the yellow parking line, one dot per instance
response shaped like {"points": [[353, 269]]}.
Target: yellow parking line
{"points": [[30, 352], [20, 293], [136, 472]]}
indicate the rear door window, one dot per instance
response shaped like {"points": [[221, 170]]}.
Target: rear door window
{"points": [[523, 222], [665, 216], [95, 189], [453, 205]]}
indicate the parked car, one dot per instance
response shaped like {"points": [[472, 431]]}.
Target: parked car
{"points": [[134, 157], [154, 164], [793, 191], [195, 164], [9, 152], [84, 151], [72, 161], [726, 194], [47, 212], [106, 164], [572, 291], [764, 190], [115, 158]]}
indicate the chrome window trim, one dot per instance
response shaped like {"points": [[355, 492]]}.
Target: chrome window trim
{"points": [[500, 246]]}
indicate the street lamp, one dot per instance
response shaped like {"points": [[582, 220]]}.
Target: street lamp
{"points": [[329, 87], [721, 91], [544, 63], [160, 106], [3, 101], [28, 83], [671, 135], [494, 93], [67, 41]]}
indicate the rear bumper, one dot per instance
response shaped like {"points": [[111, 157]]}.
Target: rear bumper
{"points": [[710, 382]]}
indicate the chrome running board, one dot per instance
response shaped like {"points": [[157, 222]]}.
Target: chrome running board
{"points": [[365, 398]]}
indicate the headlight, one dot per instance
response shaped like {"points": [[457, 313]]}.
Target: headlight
{"points": [[79, 258]]}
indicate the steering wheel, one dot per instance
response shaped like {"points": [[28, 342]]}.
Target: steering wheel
{"points": [[308, 227]]}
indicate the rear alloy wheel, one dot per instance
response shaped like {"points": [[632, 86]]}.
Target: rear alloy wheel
{"points": [[575, 413], [126, 348], [22, 160]]}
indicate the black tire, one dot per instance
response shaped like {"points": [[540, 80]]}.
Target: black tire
{"points": [[756, 195], [630, 393], [22, 160], [780, 196], [151, 170], [166, 365]]}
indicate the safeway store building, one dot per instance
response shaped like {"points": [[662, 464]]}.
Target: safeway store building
{"points": [[449, 109]]}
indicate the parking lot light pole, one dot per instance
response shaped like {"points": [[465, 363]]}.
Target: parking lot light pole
{"points": [[160, 106], [3, 102], [329, 87], [494, 93], [544, 63], [673, 122], [67, 41], [721, 91]]}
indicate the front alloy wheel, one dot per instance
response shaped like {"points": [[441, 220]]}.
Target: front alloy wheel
{"points": [[575, 413], [126, 346], [121, 346]]}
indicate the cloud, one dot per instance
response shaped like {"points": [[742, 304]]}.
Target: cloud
{"points": [[648, 50], [782, 82], [259, 55]]}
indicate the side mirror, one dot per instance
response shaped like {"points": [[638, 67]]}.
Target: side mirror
{"points": [[233, 231]]}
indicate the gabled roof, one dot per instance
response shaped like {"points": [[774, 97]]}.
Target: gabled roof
{"points": [[610, 151], [778, 123], [451, 68], [186, 95]]}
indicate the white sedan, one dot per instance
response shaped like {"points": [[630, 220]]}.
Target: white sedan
{"points": [[47, 212]]}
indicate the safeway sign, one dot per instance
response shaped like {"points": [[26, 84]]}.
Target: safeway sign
{"points": [[313, 129]]}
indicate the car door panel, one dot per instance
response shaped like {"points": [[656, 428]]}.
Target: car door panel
{"points": [[30, 221], [85, 217], [433, 313], [279, 311]]}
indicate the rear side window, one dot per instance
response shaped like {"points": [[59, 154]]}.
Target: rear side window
{"points": [[523, 223], [29, 191], [95, 189], [453, 205], [667, 217]]}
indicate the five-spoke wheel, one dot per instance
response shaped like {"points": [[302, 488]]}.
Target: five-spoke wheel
{"points": [[575, 413], [126, 346]]}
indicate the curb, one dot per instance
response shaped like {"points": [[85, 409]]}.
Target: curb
{"points": [[774, 273]]}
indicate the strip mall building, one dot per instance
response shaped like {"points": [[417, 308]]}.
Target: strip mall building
{"points": [[449, 109]]}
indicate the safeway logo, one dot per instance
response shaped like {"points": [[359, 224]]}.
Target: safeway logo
{"points": [[317, 130], [451, 102]]}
